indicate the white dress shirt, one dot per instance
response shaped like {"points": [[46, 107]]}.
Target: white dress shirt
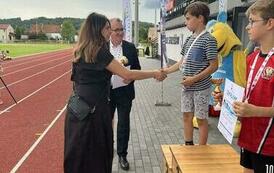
{"points": [[117, 52]]}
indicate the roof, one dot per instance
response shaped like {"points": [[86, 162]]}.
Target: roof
{"points": [[4, 26], [47, 28]]}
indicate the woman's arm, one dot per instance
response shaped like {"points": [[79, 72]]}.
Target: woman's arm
{"points": [[116, 68]]}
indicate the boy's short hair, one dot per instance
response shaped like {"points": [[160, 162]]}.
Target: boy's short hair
{"points": [[198, 8], [265, 8]]}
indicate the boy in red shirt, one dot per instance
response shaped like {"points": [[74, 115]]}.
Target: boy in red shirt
{"points": [[257, 133]]}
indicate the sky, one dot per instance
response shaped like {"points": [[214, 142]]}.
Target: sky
{"points": [[27, 9]]}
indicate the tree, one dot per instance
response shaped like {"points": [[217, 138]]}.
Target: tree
{"points": [[18, 32], [68, 31], [143, 30]]}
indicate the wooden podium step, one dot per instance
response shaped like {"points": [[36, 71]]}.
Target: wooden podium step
{"points": [[200, 159], [167, 158]]}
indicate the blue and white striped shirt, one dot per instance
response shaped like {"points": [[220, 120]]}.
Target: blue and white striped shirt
{"points": [[203, 50]]}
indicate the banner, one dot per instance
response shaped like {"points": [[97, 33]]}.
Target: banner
{"points": [[164, 59], [223, 6], [127, 22]]}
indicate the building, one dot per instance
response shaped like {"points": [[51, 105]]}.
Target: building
{"points": [[6, 33], [50, 30], [176, 31]]}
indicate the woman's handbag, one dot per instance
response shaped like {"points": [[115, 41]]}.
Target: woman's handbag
{"points": [[79, 108]]}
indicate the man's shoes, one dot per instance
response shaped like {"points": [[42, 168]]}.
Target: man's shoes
{"points": [[123, 163]]}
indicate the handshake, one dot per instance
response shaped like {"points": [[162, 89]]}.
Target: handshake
{"points": [[160, 74]]}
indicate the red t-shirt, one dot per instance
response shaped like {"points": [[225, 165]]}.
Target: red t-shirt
{"points": [[256, 131]]}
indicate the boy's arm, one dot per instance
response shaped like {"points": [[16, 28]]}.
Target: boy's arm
{"points": [[173, 68], [212, 56], [190, 80], [213, 66], [248, 110]]}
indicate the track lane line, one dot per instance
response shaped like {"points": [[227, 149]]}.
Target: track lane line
{"points": [[35, 56], [27, 154], [35, 74], [40, 59], [11, 106], [35, 65]]}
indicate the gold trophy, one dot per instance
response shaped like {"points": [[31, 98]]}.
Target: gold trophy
{"points": [[123, 60], [217, 89]]}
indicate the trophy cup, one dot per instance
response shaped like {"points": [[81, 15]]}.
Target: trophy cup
{"points": [[217, 89], [123, 60]]}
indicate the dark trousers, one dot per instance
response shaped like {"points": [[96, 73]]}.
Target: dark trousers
{"points": [[89, 142], [123, 107]]}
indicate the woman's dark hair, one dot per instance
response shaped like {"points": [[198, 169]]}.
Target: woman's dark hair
{"points": [[90, 38]]}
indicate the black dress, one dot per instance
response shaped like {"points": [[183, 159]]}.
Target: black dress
{"points": [[89, 142]]}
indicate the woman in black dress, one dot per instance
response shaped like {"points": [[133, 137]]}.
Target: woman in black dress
{"points": [[89, 136]]}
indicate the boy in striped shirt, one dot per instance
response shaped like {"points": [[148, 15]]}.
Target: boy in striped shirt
{"points": [[199, 61]]}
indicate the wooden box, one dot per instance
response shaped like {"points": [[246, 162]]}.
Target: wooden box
{"points": [[167, 158], [205, 159]]}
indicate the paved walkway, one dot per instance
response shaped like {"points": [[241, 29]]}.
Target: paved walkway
{"points": [[153, 126]]}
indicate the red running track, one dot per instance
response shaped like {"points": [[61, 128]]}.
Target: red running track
{"points": [[31, 132]]}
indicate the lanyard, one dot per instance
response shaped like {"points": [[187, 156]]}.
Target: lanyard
{"points": [[252, 83], [188, 51]]}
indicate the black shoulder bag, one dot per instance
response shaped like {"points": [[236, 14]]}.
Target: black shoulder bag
{"points": [[79, 107]]}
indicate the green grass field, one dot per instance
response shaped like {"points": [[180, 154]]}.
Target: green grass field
{"points": [[19, 49]]}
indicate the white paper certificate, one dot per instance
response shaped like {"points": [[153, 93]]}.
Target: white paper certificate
{"points": [[117, 81], [228, 118]]}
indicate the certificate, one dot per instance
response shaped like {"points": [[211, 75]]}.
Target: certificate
{"points": [[228, 118], [117, 81]]}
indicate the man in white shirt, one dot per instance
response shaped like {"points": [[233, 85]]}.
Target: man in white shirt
{"points": [[122, 93]]}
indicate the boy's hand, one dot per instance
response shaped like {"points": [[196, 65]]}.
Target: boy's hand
{"points": [[160, 75], [188, 80], [243, 109]]}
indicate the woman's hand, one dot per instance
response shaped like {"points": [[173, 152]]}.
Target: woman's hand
{"points": [[160, 75]]}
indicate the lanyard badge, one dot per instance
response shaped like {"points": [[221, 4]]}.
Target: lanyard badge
{"points": [[251, 83]]}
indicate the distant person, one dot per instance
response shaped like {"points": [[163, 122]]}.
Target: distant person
{"points": [[88, 124], [147, 51]]}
